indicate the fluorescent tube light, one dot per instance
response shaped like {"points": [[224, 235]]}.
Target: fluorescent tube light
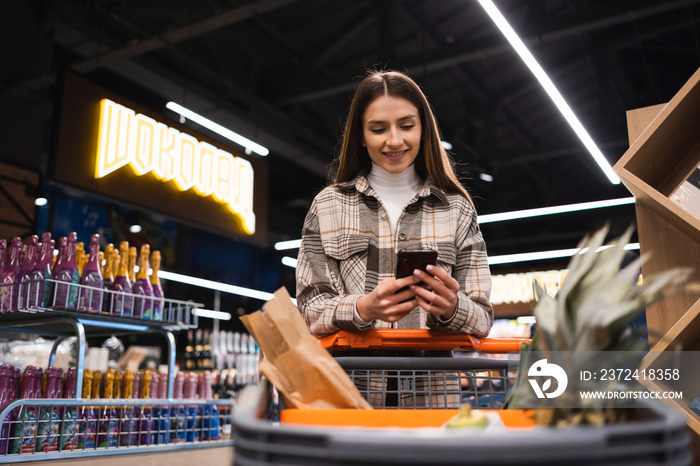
{"points": [[290, 261], [226, 288], [528, 213], [549, 87], [291, 244], [212, 314], [217, 128], [533, 256]]}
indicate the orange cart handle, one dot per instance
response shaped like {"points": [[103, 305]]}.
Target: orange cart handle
{"points": [[418, 339]]}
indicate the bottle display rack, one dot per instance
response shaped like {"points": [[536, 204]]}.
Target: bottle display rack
{"points": [[22, 300], [133, 426]]}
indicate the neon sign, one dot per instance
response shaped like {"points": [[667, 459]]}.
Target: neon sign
{"points": [[147, 146]]}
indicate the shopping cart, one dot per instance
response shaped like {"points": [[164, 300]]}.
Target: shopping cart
{"points": [[264, 435], [401, 369]]}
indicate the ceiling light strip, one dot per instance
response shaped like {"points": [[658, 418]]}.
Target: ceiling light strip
{"points": [[528, 213], [212, 285], [541, 255], [549, 87], [217, 128], [211, 314]]}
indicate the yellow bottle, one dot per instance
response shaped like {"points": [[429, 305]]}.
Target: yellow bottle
{"points": [[132, 263], [128, 429], [158, 296], [107, 427], [143, 306], [109, 249], [80, 260]]}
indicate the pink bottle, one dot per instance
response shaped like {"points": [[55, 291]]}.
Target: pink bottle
{"points": [[25, 418], [8, 394], [91, 298], [10, 276], [40, 289], [66, 295], [28, 264], [143, 307]]}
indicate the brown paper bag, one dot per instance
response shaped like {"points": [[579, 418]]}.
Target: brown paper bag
{"points": [[305, 374]]}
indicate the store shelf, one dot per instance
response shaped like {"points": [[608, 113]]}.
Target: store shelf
{"points": [[156, 432], [23, 300], [664, 151]]}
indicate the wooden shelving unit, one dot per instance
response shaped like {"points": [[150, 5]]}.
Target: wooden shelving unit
{"points": [[664, 151]]}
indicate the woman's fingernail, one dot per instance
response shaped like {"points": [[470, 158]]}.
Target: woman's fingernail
{"points": [[429, 268], [412, 287], [416, 272]]}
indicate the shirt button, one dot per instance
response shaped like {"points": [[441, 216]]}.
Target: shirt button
{"points": [[402, 236]]}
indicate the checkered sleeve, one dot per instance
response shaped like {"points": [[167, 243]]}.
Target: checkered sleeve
{"points": [[474, 314], [320, 298]]}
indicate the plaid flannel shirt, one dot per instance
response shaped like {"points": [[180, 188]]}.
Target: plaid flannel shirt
{"points": [[348, 247]]}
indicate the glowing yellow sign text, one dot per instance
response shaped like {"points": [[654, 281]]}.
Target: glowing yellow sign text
{"points": [[147, 146]]}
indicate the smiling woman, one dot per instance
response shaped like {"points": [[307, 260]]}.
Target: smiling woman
{"points": [[395, 189]]}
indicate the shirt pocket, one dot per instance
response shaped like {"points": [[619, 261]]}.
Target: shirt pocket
{"points": [[447, 254], [350, 252]]}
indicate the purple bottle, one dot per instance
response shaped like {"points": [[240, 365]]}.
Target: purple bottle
{"points": [[10, 276], [143, 307], [122, 304], [40, 289], [66, 295], [91, 298], [25, 273], [8, 394], [25, 418], [49, 416]]}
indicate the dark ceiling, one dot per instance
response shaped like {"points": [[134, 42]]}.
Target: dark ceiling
{"points": [[282, 72]]}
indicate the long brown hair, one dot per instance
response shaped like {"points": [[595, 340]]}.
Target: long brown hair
{"points": [[432, 162]]}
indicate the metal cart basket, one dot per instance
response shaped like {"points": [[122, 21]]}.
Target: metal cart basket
{"points": [[400, 436]]}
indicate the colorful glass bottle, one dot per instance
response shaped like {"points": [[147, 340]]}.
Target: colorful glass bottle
{"points": [[161, 413], [87, 420], [49, 417], [143, 307], [158, 296], [25, 418], [8, 394], [107, 424], [210, 414], [133, 254], [178, 414], [25, 272], [123, 284], [128, 428], [91, 298], [66, 295], [69, 415], [108, 283], [10, 276], [109, 249], [40, 289], [193, 411]]}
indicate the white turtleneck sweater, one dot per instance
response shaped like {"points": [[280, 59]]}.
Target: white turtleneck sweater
{"points": [[394, 189]]}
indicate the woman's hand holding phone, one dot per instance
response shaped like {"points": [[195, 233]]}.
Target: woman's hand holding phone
{"points": [[439, 295]]}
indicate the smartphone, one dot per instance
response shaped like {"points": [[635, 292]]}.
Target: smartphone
{"points": [[408, 261]]}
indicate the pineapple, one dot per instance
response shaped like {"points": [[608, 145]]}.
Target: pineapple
{"points": [[591, 312]]}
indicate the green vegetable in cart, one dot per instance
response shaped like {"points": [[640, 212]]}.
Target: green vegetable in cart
{"points": [[467, 418]]}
